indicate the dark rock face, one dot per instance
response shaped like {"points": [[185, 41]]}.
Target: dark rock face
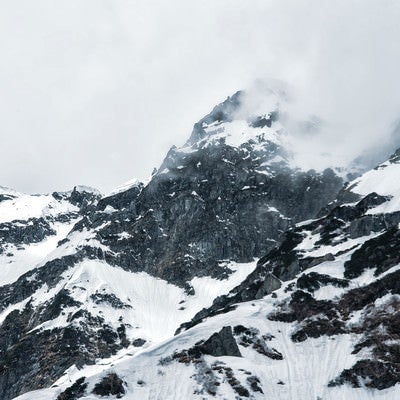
{"points": [[374, 374], [111, 299], [251, 337], [314, 281], [110, 385], [37, 358], [7, 196], [269, 285], [33, 230], [75, 391], [86, 200], [284, 262], [380, 253], [221, 344], [209, 201], [123, 200], [184, 221], [138, 342]]}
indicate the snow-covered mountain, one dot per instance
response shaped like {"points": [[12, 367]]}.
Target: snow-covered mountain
{"points": [[32, 225], [232, 273]]}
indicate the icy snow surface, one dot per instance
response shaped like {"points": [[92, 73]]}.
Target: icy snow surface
{"points": [[384, 180], [157, 307]]}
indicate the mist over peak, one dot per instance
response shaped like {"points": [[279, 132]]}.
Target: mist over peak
{"points": [[312, 140], [105, 106]]}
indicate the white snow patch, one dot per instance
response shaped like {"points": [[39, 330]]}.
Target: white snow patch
{"points": [[27, 206], [383, 180], [126, 186], [29, 256], [157, 308]]}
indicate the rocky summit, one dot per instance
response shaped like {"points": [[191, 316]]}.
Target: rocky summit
{"points": [[232, 273]]}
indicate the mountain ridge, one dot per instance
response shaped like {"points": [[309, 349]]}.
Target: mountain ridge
{"points": [[101, 309]]}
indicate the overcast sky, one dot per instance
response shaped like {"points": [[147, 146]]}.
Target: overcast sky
{"points": [[95, 92]]}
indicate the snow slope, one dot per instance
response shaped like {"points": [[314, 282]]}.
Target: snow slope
{"points": [[25, 206], [152, 308], [29, 243], [27, 257], [302, 373], [384, 180]]}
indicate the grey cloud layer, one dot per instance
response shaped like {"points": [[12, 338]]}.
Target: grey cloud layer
{"points": [[95, 92]]}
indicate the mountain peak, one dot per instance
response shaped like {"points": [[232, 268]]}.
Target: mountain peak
{"points": [[253, 111]]}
